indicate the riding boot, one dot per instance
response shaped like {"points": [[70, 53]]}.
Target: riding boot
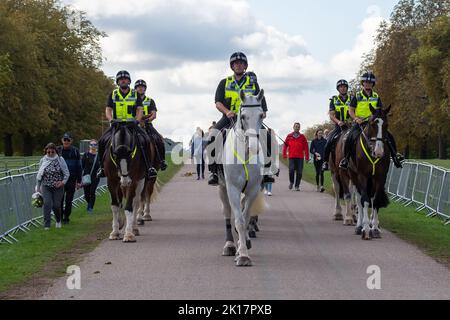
{"points": [[397, 158], [101, 171], [150, 170], [213, 176], [347, 151]]}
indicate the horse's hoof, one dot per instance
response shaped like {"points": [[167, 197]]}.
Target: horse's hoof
{"points": [[114, 236], [338, 217], [249, 244], [358, 231], [252, 234], [366, 235], [136, 232], [244, 262], [376, 234], [140, 222], [349, 222], [147, 218], [229, 251], [129, 238]]}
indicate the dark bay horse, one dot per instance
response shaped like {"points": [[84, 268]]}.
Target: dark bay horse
{"points": [[125, 170], [343, 188], [368, 171]]}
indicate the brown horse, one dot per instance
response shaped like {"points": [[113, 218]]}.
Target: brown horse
{"points": [[125, 170], [368, 171], [343, 188]]}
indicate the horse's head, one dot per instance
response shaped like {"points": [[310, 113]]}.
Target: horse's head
{"points": [[250, 117], [377, 130], [123, 147]]}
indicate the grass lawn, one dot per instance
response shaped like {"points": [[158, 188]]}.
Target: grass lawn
{"points": [[46, 254], [429, 234]]}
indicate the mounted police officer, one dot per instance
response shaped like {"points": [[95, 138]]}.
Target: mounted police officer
{"points": [[228, 103], [124, 104], [149, 115], [360, 112], [339, 114]]}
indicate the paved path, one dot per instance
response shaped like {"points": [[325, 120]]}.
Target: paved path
{"points": [[299, 254]]}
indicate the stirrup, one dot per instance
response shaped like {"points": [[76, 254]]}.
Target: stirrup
{"points": [[343, 164], [101, 173], [213, 179], [152, 173]]}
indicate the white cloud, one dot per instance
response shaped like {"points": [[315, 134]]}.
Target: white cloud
{"points": [[181, 49]]}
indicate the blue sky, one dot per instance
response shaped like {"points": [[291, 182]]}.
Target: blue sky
{"points": [[298, 49]]}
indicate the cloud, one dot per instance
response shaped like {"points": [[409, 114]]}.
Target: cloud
{"points": [[181, 48]]}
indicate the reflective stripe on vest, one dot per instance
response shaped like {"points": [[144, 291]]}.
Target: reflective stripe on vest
{"points": [[363, 108], [232, 91], [146, 105], [342, 107], [124, 107]]}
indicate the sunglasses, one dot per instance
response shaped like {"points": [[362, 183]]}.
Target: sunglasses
{"points": [[93, 145], [66, 140]]}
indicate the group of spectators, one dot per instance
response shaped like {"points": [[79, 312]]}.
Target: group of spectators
{"points": [[62, 171]]}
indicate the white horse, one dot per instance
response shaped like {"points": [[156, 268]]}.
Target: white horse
{"points": [[240, 182]]}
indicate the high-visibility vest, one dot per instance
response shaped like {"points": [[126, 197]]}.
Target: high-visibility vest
{"points": [[342, 107], [124, 107], [146, 105], [363, 106], [232, 91]]}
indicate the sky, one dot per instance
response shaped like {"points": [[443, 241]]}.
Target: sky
{"points": [[298, 49]]}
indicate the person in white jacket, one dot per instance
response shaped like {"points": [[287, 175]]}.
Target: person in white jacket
{"points": [[198, 145], [51, 178]]}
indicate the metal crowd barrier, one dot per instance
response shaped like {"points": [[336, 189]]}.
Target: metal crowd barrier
{"points": [[423, 185], [16, 212]]}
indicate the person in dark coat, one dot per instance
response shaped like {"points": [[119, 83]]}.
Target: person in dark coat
{"points": [[90, 164], [317, 149]]}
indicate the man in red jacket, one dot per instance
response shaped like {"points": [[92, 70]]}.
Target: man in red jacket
{"points": [[297, 147]]}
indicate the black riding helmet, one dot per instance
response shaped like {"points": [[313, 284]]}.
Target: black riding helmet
{"points": [[140, 82], [238, 56], [369, 76], [121, 75], [341, 82]]}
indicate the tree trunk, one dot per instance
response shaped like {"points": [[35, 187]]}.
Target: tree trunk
{"points": [[8, 144], [423, 150], [27, 144], [407, 150], [442, 142]]}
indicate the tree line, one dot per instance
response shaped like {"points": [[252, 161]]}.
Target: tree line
{"points": [[411, 60], [50, 77]]}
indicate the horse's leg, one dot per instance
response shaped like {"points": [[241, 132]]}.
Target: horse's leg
{"points": [[139, 215], [115, 234], [234, 196], [136, 203], [366, 234], [229, 249], [338, 210], [359, 223], [348, 221], [148, 196]]}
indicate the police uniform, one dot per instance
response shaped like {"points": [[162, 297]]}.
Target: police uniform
{"points": [[149, 106]]}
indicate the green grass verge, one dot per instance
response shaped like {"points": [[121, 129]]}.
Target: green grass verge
{"points": [[58, 248], [428, 234]]}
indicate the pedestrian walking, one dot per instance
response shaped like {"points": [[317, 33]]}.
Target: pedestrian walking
{"points": [[296, 146], [318, 150], [51, 178], [90, 165]]}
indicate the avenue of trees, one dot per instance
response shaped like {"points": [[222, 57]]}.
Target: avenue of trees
{"points": [[50, 81], [411, 60]]}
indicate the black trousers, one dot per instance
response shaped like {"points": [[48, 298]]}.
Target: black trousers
{"points": [[319, 172], [66, 202], [89, 192], [331, 140], [201, 168], [295, 171], [156, 137]]}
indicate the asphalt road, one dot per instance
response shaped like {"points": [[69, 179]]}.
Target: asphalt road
{"points": [[300, 253]]}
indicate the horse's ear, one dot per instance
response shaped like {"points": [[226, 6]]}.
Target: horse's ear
{"points": [[372, 109], [242, 95], [260, 95], [388, 109]]}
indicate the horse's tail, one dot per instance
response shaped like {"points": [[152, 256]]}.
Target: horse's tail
{"points": [[381, 199], [258, 206], [155, 193]]}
